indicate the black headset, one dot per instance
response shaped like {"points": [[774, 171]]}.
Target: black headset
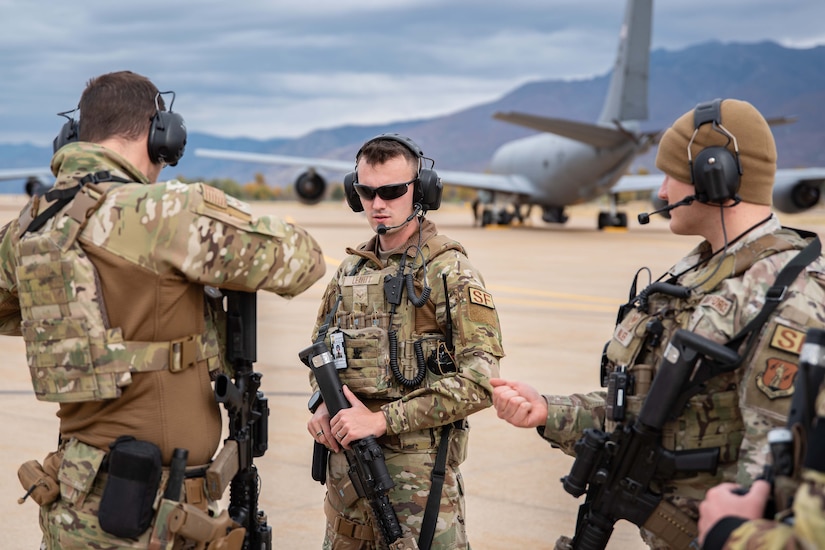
{"points": [[167, 133], [427, 186], [715, 172]]}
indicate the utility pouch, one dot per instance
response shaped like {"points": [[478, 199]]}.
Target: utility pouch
{"points": [[40, 486], [320, 454], [134, 472]]}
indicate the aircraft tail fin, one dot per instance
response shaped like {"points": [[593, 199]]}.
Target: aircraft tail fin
{"points": [[627, 95]]}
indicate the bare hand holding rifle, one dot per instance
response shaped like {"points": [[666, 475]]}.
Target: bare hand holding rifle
{"points": [[367, 467]]}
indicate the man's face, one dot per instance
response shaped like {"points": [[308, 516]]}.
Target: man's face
{"points": [[684, 220], [397, 170]]}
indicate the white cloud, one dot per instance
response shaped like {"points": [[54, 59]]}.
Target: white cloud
{"points": [[239, 66]]}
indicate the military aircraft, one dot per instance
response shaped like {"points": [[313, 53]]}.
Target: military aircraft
{"points": [[570, 162], [37, 179]]}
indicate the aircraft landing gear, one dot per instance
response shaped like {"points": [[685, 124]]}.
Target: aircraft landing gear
{"points": [[499, 215], [554, 214], [608, 219]]}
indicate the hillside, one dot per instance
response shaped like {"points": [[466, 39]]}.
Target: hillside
{"points": [[779, 81]]}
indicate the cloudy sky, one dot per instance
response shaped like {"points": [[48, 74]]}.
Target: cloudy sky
{"points": [[281, 68]]}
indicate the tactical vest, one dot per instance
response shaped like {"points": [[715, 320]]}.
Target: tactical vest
{"points": [[368, 339], [73, 353], [711, 418]]}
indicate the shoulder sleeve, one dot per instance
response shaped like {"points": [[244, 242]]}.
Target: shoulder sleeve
{"points": [[9, 306], [473, 311], [569, 416], [210, 237]]}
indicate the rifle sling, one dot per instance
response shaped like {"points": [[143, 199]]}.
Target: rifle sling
{"points": [[425, 540], [773, 297]]}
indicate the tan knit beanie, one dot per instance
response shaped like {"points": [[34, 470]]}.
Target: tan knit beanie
{"points": [[757, 150]]}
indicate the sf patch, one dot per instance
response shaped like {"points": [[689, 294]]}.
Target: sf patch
{"points": [[778, 378], [481, 309]]}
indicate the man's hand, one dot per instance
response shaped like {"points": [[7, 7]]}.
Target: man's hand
{"points": [[721, 502], [519, 403], [356, 422], [318, 428]]}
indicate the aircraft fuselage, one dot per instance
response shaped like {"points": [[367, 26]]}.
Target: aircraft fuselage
{"points": [[564, 172]]}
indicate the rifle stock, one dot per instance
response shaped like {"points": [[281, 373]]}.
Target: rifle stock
{"points": [[621, 472], [248, 412]]}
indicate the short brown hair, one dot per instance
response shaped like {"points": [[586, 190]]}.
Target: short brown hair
{"points": [[380, 150], [118, 104]]}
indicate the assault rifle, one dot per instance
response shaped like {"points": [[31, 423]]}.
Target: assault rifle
{"points": [[248, 412], [623, 472], [367, 468]]}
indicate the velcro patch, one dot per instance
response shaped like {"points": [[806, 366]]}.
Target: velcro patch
{"points": [[777, 380], [214, 197], [481, 308], [719, 304], [481, 297], [366, 279], [787, 339]]}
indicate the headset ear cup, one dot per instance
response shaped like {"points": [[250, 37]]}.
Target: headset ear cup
{"points": [[716, 175], [69, 132], [167, 138], [430, 189], [353, 200]]}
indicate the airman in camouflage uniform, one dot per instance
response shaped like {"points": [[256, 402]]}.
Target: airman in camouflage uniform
{"points": [[715, 291], [105, 279], [411, 369]]}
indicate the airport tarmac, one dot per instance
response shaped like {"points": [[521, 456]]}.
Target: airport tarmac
{"points": [[556, 290]]}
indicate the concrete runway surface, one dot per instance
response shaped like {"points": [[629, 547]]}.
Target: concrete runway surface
{"points": [[556, 290]]}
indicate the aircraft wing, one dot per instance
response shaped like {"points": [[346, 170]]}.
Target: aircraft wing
{"points": [[794, 190], [23, 173], [509, 183], [649, 182], [489, 182], [264, 158]]}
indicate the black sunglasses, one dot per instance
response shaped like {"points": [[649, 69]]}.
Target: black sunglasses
{"points": [[386, 192]]}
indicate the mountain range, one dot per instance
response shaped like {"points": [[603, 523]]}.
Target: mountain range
{"points": [[779, 81]]}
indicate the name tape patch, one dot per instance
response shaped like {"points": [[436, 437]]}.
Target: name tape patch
{"points": [[481, 297]]}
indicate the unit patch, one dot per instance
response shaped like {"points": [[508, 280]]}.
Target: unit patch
{"points": [[481, 297], [481, 308], [777, 379], [787, 339], [719, 304]]}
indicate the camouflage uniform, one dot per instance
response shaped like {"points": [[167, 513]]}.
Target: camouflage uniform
{"points": [[735, 410], [806, 531], [109, 296], [415, 415]]}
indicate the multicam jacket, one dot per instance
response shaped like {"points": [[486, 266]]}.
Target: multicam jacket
{"points": [[108, 293], [736, 410], [444, 395]]}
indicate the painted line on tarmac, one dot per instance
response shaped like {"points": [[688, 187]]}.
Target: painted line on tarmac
{"points": [[552, 304], [552, 294]]}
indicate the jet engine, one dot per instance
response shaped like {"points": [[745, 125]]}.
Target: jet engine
{"points": [[795, 196], [310, 187]]}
